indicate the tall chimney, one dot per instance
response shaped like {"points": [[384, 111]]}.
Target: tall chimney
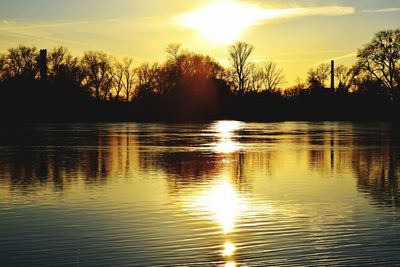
{"points": [[43, 65], [333, 75]]}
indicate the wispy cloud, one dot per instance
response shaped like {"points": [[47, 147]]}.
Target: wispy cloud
{"points": [[41, 36], [39, 25], [349, 55], [385, 10], [116, 36], [44, 31], [338, 58], [320, 11]]}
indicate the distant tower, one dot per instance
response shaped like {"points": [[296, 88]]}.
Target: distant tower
{"points": [[43, 65], [333, 75]]}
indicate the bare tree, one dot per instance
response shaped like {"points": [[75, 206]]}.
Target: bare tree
{"points": [[295, 90], [21, 61], [63, 66], [341, 72], [273, 77], [317, 78], [128, 77], [381, 58], [256, 82], [345, 77], [118, 78], [99, 74], [57, 59], [242, 67], [174, 50], [148, 79]]}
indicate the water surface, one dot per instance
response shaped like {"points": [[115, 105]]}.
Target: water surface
{"points": [[216, 194]]}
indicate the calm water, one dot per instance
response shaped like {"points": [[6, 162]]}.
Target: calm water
{"points": [[218, 194]]}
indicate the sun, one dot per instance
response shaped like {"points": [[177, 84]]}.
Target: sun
{"points": [[223, 22]]}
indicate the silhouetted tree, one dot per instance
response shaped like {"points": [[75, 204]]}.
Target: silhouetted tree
{"points": [[21, 62], [147, 79], [267, 78], [381, 58], [367, 85], [242, 67], [317, 77], [124, 76], [255, 83], [345, 77], [193, 86], [129, 77], [341, 74], [118, 79], [3, 61], [56, 59], [197, 85], [63, 68], [294, 91], [99, 76], [174, 50]]}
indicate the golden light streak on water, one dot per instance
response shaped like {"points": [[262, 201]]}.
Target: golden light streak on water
{"points": [[229, 249]]}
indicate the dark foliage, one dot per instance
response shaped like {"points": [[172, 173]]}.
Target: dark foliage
{"points": [[194, 87]]}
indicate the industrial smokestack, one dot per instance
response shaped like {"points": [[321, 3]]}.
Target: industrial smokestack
{"points": [[43, 65], [333, 75]]}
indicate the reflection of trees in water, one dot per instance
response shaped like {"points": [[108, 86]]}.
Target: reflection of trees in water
{"points": [[184, 169], [184, 161], [326, 152], [378, 169], [370, 152], [61, 155], [58, 156]]}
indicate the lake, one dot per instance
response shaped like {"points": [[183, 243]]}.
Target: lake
{"points": [[224, 193]]}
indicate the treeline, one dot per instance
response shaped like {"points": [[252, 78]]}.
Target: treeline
{"points": [[190, 86]]}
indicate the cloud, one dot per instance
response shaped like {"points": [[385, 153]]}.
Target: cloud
{"points": [[325, 11], [38, 25], [12, 31], [133, 37], [385, 10], [338, 58], [38, 36]]}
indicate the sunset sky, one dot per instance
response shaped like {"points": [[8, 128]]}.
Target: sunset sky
{"points": [[295, 34]]}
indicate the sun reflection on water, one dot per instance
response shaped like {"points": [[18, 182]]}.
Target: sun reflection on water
{"points": [[225, 132], [223, 201], [227, 146], [220, 199], [227, 127], [230, 264], [229, 249]]}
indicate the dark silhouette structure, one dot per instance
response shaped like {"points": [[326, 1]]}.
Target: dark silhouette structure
{"points": [[333, 76], [195, 87], [43, 64]]}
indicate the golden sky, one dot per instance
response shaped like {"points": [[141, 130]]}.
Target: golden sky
{"points": [[295, 34]]}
